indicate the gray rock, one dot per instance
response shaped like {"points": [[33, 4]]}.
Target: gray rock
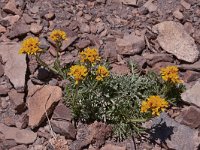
{"points": [[84, 28], [18, 29], [131, 44], [192, 95], [64, 128], [20, 136], [15, 67], [129, 2], [1, 70], [10, 7], [42, 100], [27, 18], [175, 135], [19, 147], [190, 116], [174, 39], [62, 112], [83, 44]]}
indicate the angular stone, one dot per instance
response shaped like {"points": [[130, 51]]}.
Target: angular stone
{"points": [[190, 76], [174, 39], [190, 117], [130, 2], [18, 100], [62, 112], [64, 128], [42, 100], [175, 135], [1, 70], [49, 16], [15, 67], [131, 44], [150, 6], [112, 147], [185, 4], [36, 28], [178, 14], [84, 28], [10, 7], [3, 90], [83, 44], [12, 19], [27, 18], [19, 147], [2, 29], [18, 29], [192, 95], [20, 136], [120, 69], [110, 52]]}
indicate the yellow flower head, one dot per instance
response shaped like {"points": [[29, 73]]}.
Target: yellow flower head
{"points": [[102, 72], [90, 54], [57, 35], [30, 46], [170, 74], [155, 104], [78, 72]]}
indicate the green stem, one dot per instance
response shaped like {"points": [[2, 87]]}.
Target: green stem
{"points": [[137, 120], [45, 65]]}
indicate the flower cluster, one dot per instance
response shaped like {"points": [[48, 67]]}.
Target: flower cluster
{"points": [[155, 104], [89, 55], [30, 46], [102, 72], [170, 74], [78, 72], [58, 35]]}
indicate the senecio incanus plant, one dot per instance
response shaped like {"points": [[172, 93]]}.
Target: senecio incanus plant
{"points": [[31, 46], [123, 102]]}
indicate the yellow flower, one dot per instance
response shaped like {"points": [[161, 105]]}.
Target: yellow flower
{"points": [[78, 72], [30, 46], [155, 104], [90, 55], [57, 35], [102, 72], [170, 74]]}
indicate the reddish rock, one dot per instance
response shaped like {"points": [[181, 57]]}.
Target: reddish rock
{"points": [[120, 69], [10, 7], [12, 19], [110, 52], [112, 147], [42, 101], [2, 29], [190, 76], [36, 28], [83, 44], [62, 112]]}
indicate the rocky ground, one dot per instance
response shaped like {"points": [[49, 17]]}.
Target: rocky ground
{"points": [[152, 33]]}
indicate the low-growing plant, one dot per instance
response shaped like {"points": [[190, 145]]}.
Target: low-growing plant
{"points": [[95, 94]]}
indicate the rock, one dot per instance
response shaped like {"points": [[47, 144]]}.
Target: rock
{"points": [[174, 39], [130, 2], [10, 7], [190, 116], [173, 132], [190, 76], [41, 101], [7, 144], [139, 60], [177, 14], [22, 121], [120, 69], [18, 100], [150, 6], [131, 44], [2, 29], [12, 19], [110, 52], [1, 70], [195, 66], [83, 44], [15, 67], [64, 128], [49, 16], [44, 44], [62, 112], [36, 28], [84, 28], [71, 38], [3, 90], [152, 59], [20, 136], [19, 147], [112, 147], [192, 95], [185, 4], [27, 18], [18, 29], [189, 27], [96, 134], [4, 23]]}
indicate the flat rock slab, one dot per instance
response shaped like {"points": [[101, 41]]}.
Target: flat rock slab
{"points": [[42, 100], [176, 136], [20, 136], [192, 95], [15, 67], [175, 40]]}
